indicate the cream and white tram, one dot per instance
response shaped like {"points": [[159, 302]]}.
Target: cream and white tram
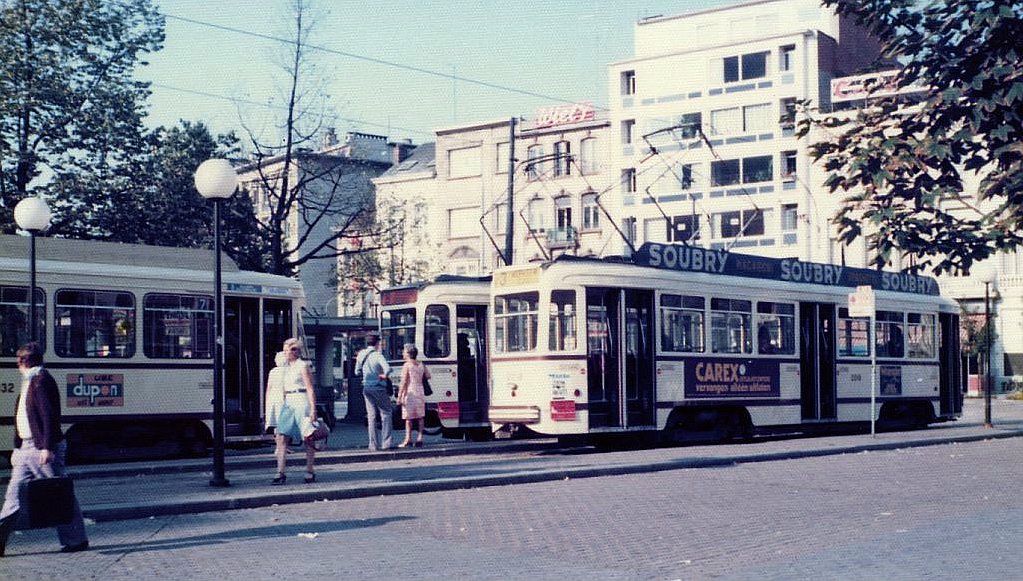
{"points": [[128, 335], [447, 320], [692, 341]]}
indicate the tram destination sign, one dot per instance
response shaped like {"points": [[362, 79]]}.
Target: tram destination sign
{"points": [[696, 259]]}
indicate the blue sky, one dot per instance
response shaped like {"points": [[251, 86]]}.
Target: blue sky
{"points": [[557, 48]]}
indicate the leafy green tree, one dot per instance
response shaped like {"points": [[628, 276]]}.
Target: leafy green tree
{"points": [[903, 166], [69, 106], [152, 199]]}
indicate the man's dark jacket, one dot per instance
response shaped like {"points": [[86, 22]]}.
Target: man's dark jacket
{"points": [[42, 402]]}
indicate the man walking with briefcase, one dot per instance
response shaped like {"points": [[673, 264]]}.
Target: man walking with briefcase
{"points": [[39, 449]]}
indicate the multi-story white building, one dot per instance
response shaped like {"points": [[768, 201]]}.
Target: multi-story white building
{"points": [[703, 123], [456, 190]]}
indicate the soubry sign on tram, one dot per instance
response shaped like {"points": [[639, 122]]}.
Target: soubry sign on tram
{"points": [[695, 259]]}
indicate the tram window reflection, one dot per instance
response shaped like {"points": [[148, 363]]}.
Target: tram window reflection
{"points": [[731, 326], [853, 335], [920, 332], [888, 327], [562, 324], [682, 320], [94, 324], [436, 329], [776, 328]]}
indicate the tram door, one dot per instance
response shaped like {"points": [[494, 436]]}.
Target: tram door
{"points": [[619, 357], [471, 342], [241, 366], [817, 361], [949, 386]]}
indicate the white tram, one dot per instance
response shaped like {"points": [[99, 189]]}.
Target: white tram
{"points": [[447, 320], [692, 342], [128, 334]]}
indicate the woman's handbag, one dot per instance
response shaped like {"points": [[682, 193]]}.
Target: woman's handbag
{"points": [[427, 390], [315, 434]]}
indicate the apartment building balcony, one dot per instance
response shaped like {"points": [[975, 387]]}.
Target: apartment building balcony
{"points": [[560, 238]]}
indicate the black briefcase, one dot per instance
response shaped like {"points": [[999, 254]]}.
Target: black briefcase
{"points": [[46, 502]]}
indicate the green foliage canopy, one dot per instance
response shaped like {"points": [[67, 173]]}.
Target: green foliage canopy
{"points": [[903, 166]]}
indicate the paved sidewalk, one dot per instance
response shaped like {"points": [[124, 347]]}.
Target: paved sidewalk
{"points": [[181, 487]]}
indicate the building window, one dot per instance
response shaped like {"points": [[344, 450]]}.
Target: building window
{"points": [[628, 128], [745, 67], [654, 230], [787, 122], [683, 228], [741, 223], [501, 160], [628, 82], [788, 165], [591, 212], [535, 215], [629, 180], [463, 222], [789, 217], [534, 168], [501, 213], [786, 57], [563, 211], [757, 169], [588, 155], [689, 125], [685, 175], [563, 159], [724, 172], [629, 228], [756, 118], [726, 121], [464, 162]]}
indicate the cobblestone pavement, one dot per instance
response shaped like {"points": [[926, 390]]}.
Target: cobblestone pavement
{"points": [[949, 511]]}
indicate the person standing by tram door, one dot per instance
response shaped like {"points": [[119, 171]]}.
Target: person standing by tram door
{"points": [[274, 404], [374, 369], [299, 402], [39, 447], [411, 396]]}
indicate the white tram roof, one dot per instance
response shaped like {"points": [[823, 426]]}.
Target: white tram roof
{"points": [[93, 257], [617, 271], [451, 287]]}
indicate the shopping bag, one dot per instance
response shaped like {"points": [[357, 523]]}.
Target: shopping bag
{"points": [[46, 502]]}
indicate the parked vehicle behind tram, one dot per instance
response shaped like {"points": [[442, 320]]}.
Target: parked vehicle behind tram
{"points": [[128, 334], [447, 320], [687, 342]]}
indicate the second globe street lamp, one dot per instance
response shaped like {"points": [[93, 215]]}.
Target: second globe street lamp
{"points": [[216, 180], [33, 216]]}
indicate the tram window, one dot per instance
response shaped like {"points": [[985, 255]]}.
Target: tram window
{"points": [[731, 326], [561, 331], [920, 330], [888, 327], [397, 327], [515, 322], [14, 331], [94, 324], [853, 335], [776, 328], [436, 331], [177, 326], [682, 323]]}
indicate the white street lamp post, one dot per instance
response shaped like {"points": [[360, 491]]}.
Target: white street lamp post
{"points": [[216, 180], [33, 216]]}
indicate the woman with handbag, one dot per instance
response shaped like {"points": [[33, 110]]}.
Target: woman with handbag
{"points": [[296, 383], [411, 394]]}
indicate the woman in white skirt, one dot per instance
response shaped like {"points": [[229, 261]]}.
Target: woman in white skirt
{"points": [[296, 384]]}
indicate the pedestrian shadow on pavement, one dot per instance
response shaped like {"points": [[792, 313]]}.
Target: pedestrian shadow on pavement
{"points": [[280, 531]]}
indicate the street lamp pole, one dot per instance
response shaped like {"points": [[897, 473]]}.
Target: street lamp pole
{"points": [[987, 354], [216, 180], [987, 272], [33, 216]]}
